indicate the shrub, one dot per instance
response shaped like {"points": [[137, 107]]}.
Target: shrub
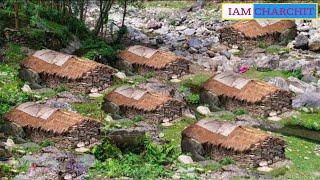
{"points": [[193, 98], [106, 150], [195, 81]]}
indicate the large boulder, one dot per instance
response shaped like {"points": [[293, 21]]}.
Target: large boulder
{"points": [[297, 86], [29, 75], [189, 145], [211, 99], [301, 42], [314, 42], [267, 63], [279, 82], [309, 99]]}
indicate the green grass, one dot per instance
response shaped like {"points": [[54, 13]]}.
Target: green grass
{"points": [[305, 156], [195, 81], [168, 4], [262, 75], [91, 109], [173, 133], [309, 120]]}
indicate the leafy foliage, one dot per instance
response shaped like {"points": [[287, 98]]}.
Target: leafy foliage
{"points": [[193, 98]]}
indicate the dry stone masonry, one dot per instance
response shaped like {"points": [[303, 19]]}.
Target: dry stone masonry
{"points": [[250, 33], [235, 91], [219, 139], [132, 101], [53, 68], [66, 128], [145, 60]]}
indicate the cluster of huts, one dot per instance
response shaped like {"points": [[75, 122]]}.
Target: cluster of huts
{"points": [[215, 138]]}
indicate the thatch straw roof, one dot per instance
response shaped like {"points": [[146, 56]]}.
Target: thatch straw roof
{"points": [[41, 116], [59, 64], [226, 135], [137, 98], [235, 86], [256, 28], [145, 56]]}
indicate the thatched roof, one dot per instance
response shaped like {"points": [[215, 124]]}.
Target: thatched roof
{"points": [[59, 64], [145, 56], [256, 28], [226, 135], [235, 86], [137, 98], [41, 116]]}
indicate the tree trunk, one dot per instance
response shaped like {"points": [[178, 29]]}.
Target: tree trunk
{"points": [[16, 14], [124, 12]]}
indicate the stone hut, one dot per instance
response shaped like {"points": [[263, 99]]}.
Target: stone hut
{"points": [[66, 128], [130, 102], [51, 68], [219, 139], [234, 91], [144, 60], [249, 33]]}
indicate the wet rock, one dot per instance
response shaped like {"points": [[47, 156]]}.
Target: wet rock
{"points": [[203, 110], [279, 82], [308, 99], [314, 42], [185, 159], [301, 42]]}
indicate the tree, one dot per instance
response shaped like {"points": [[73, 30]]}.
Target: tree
{"points": [[104, 8], [16, 14]]}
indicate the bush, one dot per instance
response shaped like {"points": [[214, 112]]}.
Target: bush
{"points": [[193, 98], [195, 81], [106, 150]]}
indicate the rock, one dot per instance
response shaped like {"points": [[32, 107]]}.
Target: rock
{"points": [[29, 75], [229, 172], [189, 32], [203, 110], [166, 124], [301, 42], [9, 143], [132, 138], [154, 25], [110, 107], [12, 129], [308, 99], [314, 42], [279, 82], [287, 35], [195, 43], [94, 90], [120, 75], [67, 176], [298, 86], [80, 144], [95, 95], [274, 118], [185, 159], [193, 147], [263, 163], [265, 169], [181, 28], [82, 150], [175, 80], [273, 113], [265, 63], [211, 99], [26, 88], [227, 54]]}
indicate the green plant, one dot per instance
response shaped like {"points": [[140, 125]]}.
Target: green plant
{"points": [[46, 143], [226, 161], [195, 81], [262, 45], [193, 98], [297, 73], [138, 118], [106, 150], [240, 111]]}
